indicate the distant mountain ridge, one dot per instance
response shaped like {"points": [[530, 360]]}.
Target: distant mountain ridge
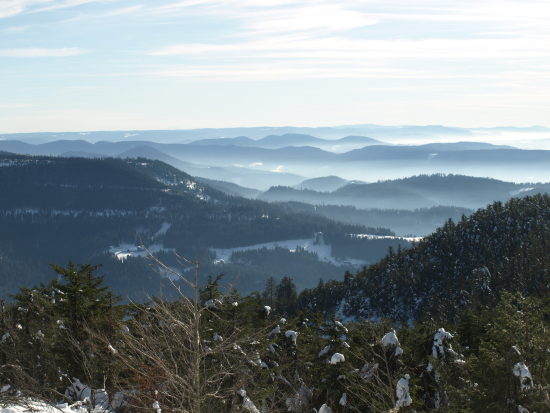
{"points": [[424, 191], [514, 129], [230, 188], [322, 184], [290, 139], [368, 163], [255, 133]]}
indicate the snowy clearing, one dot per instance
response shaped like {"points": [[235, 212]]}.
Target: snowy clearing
{"points": [[369, 236], [323, 251], [519, 191], [163, 229], [124, 251]]}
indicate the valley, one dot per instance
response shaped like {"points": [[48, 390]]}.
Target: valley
{"points": [[274, 206], [104, 202]]}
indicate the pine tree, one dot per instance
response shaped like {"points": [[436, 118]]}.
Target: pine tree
{"points": [[286, 296], [269, 295], [81, 304]]}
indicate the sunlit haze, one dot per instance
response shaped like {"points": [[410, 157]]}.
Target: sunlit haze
{"points": [[79, 65]]}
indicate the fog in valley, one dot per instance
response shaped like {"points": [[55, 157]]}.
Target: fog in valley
{"points": [[410, 179]]}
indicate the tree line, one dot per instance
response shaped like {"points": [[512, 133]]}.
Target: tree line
{"points": [[212, 350]]}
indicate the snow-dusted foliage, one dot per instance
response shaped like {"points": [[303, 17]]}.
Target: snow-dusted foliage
{"points": [[324, 351], [341, 326], [325, 409], [526, 380], [337, 358], [293, 335], [368, 372], [390, 340], [300, 399], [402, 392], [40, 407], [343, 400], [440, 344], [80, 392], [247, 403], [210, 304]]}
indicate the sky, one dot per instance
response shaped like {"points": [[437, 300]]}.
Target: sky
{"points": [[85, 65]]}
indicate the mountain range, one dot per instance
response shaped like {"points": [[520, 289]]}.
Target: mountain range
{"points": [[56, 209], [281, 141], [423, 191], [369, 163], [337, 132]]}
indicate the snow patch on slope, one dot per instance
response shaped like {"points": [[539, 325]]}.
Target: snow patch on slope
{"points": [[519, 191], [163, 229], [124, 251], [323, 251]]}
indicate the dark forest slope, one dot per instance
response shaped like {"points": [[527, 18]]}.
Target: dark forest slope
{"points": [[498, 248], [56, 209]]}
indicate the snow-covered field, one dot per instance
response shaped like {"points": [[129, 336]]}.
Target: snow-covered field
{"points": [[519, 191], [322, 250], [130, 250], [75, 213], [224, 254], [163, 229], [410, 239], [124, 251], [39, 407]]}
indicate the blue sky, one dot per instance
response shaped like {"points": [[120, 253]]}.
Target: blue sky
{"points": [[78, 65]]}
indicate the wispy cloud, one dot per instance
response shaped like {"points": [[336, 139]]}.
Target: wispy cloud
{"points": [[63, 52], [346, 48], [12, 105], [16, 29], [318, 37], [53, 5], [123, 11], [265, 17], [280, 72], [10, 8], [392, 52], [283, 15]]}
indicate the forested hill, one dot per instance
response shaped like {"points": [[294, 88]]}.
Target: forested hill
{"points": [[55, 209], [460, 266], [422, 191]]}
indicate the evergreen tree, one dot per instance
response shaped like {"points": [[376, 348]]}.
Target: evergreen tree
{"points": [[286, 296], [269, 295]]}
